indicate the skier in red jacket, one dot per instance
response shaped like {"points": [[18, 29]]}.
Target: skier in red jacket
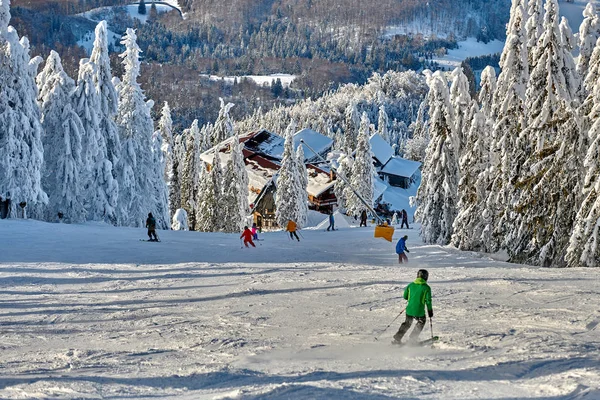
{"points": [[247, 235]]}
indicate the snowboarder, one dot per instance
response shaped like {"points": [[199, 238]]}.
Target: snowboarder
{"points": [[401, 248], [331, 222], [151, 225], [247, 236], [291, 228], [418, 294], [404, 219], [363, 218], [254, 231]]}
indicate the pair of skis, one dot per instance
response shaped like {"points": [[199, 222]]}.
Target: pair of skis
{"points": [[425, 342]]}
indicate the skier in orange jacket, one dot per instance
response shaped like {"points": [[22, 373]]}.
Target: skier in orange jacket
{"points": [[291, 228]]}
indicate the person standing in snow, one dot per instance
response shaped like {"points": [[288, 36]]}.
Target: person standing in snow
{"points": [[247, 236], [363, 218], [151, 225], [331, 222], [291, 228], [401, 249], [418, 294], [404, 219], [254, 231]]}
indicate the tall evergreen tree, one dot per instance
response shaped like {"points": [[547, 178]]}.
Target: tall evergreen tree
{"points": [[190, 172], [63, 129], [460, 99], [589, 32], [351, 126], [363, 171], [235, 190], [99, 184], [534, 27], [302, 193], [142, 188], [508, 149], [223, 128], [437, 195], [472, 187], [487, 90], [546, 207], [288, 183], [583, 249], [107, 92], [382, 125], [169, 160], [21, 149]]}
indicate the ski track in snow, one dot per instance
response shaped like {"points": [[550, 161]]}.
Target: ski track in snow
{"points": [[89, 311]]}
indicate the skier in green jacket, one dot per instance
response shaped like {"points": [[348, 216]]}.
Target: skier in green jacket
{"points": [[418, 294]]}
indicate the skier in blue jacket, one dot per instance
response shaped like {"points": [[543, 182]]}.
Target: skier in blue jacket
{"points": [[401, 248]]}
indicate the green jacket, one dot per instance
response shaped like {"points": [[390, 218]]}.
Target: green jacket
{"points": [[418, 293]]}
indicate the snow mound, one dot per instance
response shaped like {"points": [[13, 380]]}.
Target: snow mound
{"points": [[340, 221]]}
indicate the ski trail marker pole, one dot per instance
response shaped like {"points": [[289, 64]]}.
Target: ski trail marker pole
{"points": [[390, 324]]}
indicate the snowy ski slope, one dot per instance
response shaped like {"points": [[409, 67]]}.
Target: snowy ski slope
{"points": [[89, 311]]}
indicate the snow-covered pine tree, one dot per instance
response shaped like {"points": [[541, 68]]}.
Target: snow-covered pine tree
{"points": [[142, 188], [205, 136], [508, 151], [100, 201], [416, 147], [363, 171], [437, 195], [589, 32], [223, 128], [190, 173], [471, 187], [569, 70], [288, 183], [460, 99], [235, 190], [169, 160], [158, 187], [534, 26], [549, 185], [207, 202], [302, 194], [351, 126], [21, 149], [382, 125], [107, 93], [212, 207], [62, 171], [344, 169], [487, 89], [584, 249]]}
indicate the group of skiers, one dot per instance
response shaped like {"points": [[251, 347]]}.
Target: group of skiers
{"points": [[417, 293]]}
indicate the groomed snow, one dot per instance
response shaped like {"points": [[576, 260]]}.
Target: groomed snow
{"points": [[90, 312]]}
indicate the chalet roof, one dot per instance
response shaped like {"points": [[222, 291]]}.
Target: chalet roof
{"points": [[271, 145], [319, 181], [320, 143], [399, 166], [381, 149]]}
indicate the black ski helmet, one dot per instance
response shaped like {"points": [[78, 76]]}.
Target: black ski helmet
{"points": [[423, 274]]}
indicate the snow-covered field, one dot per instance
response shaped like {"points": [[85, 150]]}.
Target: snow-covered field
{"points": [[89, 311]]}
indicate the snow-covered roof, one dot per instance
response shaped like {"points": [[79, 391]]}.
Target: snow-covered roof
{"points": [[320, 143], [401, 167], [224, 152], [381, 149], [319, 183], [271, 145]]}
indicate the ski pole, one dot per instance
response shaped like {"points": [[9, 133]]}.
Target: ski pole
{"points": [[431, 326], [301, 235], [390, 324]]}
